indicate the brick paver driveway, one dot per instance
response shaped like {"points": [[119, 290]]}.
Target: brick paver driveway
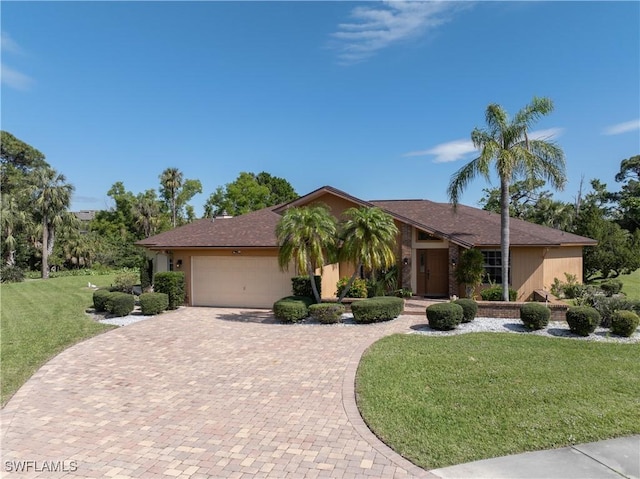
{"points": [[200, 393]]}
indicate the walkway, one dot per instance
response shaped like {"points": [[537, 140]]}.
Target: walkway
{"points": [[199, 393]]}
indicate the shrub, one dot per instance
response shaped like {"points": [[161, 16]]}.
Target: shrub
{"points": [[607, 306], [358, 288], [100, 297], [146, 273], [571, 289], [583, 320], [445, 316], [327, 313], [611, 287], [535, 315], [11, 274], [120, 304], [301, 286], [494, 293], [469, 309], [624, 323], [292, 308], [153, 303], [404, 293], [125, 281], [379, 308], [170, 283]]}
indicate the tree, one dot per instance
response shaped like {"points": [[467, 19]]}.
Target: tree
{"points": [[506, 143], [249, 192], [470, 270], [12, 217], [306, 235], [368, 238], [146, 213], [51, 196], [171, 181], [629, 196]]}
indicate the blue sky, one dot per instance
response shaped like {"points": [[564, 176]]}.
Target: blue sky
{"points": [[377, 99]]}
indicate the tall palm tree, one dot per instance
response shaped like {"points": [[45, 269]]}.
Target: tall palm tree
{"points": [[146, 212], [506, 143], [171, 181], [51, 197], [368, 238], [306, 235], [12, 217]]}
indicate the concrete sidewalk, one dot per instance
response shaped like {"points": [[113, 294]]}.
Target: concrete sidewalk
{"points": [[615, 458]]}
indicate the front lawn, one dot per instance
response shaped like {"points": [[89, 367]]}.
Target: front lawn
{"points": [[449, 400], [39, 319]]}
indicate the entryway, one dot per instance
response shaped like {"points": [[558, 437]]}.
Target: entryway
{"points": [[432, 272]]}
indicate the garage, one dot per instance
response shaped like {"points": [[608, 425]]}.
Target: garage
{"points": [[238, 281]]}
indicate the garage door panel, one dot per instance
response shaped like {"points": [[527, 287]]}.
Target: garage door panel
{"points": [[245, 281]]}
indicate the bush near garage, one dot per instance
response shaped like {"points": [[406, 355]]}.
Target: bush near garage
{"points": [[583, 320], [170, 283], [153, 303], [292, 309], [469, 309], [444, 316], [535, 315], [120, 304], [494, 293], [301, 286], [379, 308], [358, 288], [327, 313], [624, 323]]}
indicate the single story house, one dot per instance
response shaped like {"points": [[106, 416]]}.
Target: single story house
{"points": [[233, 261]]}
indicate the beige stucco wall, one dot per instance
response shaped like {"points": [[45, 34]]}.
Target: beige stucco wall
{"points": [[559, 261], [527, 271]]}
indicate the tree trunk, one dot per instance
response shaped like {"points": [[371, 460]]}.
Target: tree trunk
{"points": [[312, 278], [346, 289], [504, 235], [11, 253], [45, 250]]}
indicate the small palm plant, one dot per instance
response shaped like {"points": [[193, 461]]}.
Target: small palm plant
{"points": [[470, 270]]}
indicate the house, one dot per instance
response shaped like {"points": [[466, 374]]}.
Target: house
{"points": [[233, 261]]}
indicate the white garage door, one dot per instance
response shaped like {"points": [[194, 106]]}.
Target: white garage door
{"points": [[242, 281]]}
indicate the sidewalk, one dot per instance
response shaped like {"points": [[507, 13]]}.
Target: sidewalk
{"points": [[615, 458]]}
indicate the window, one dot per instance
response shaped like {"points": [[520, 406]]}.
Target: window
{"points": [[493, 266], [424, 236]]}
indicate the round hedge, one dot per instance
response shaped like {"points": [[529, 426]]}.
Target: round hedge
{"points": [[327, 313], [120, 304], [469, 309], [100, 297], [624, 323], [153, 303], [445, 316], [292, 309], [535, 315], [376, 309], [583, 320]]}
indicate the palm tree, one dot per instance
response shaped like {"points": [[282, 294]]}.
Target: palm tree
{"points": [[51, 198], [368, 238], [146, 211], [306, 235], [506, 142], [12, 217], [171, 181]]}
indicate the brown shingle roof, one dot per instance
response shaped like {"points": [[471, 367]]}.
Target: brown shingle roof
{"points": [[255, 229], [475, 227]]}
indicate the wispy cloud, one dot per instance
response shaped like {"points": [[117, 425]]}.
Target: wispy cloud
{"points": [[460, 149], [622, 127], [10, 76], [378, 26]]}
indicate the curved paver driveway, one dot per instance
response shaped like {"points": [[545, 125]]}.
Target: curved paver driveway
{"points": [[194, 394]]}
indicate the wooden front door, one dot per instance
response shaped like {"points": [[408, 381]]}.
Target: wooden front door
{"points": [[432, 272]]}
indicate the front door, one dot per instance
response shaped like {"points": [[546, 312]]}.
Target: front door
{"points": [[432, 272]]}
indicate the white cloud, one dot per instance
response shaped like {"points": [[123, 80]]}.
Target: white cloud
{"points": [[459, 149], [381, 25], [622, 127], [8, 44], [15, 79]]}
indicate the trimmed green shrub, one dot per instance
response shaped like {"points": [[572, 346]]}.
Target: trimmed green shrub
{"points": [[583, 320], [327, 313], [469, 309], [611, 287], [379, 308], [11, 274], [170, 283], [445, 316], [153, 303], [292, 309], [100, 297], [494, 293], [124, 282], [146, 273], [624, 323], [535, 315], [301, 286], [358, 288], [120, 304], [607, 306]]}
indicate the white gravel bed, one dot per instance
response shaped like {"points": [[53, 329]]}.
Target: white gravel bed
{"points": [[124, 320], [555, 329]]}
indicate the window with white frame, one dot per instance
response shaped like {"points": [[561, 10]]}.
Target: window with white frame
{"points": [[493, 266]]}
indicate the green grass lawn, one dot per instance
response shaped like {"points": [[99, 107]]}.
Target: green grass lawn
{"points": [[39, 319], [631, 284], [444, 401]]}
